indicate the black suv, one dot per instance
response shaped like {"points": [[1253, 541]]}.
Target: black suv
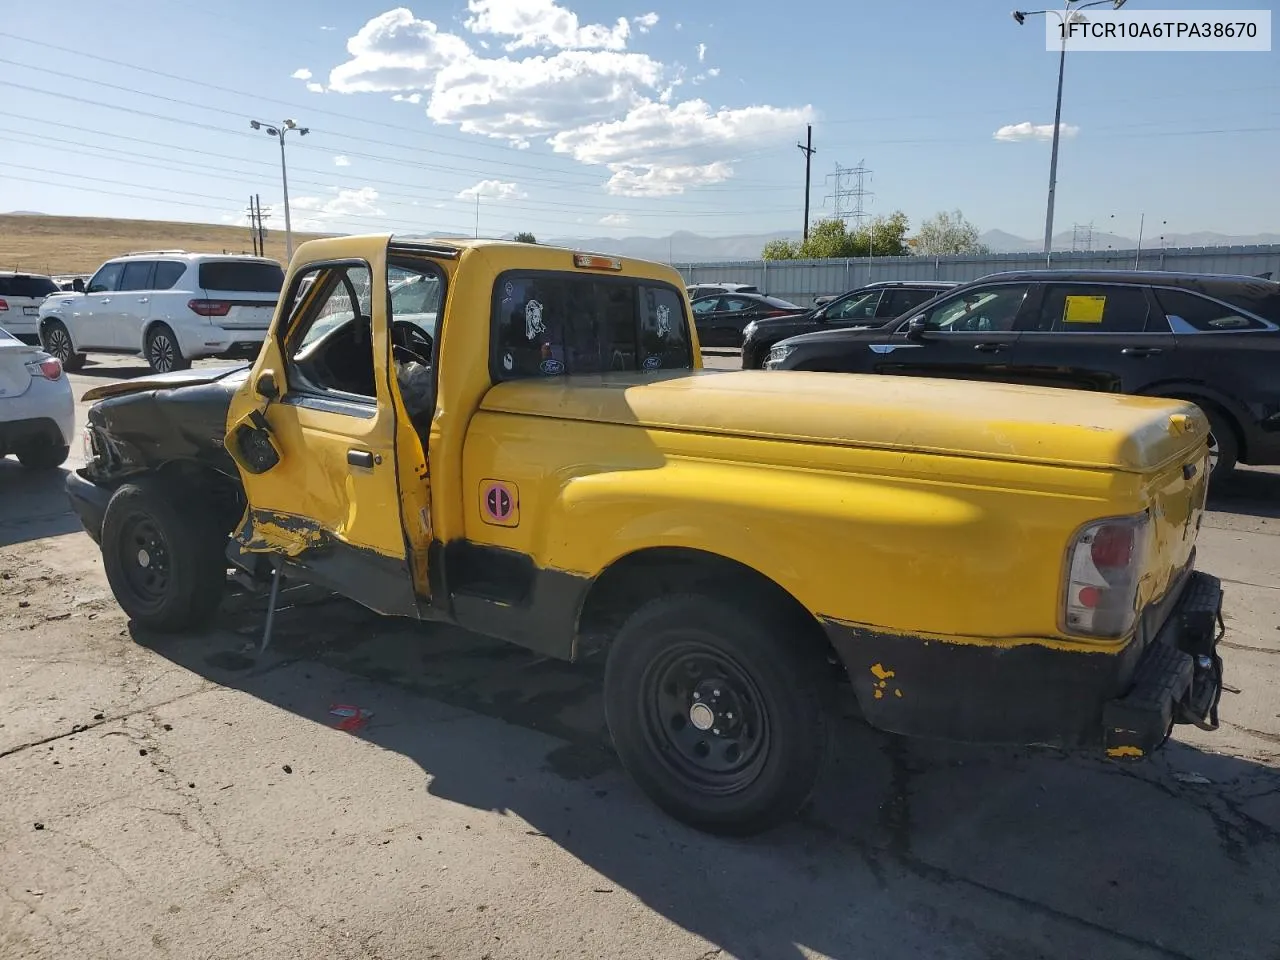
{"points": [[871, 306], [1214, 340]]}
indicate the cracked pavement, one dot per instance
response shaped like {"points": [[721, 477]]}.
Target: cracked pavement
{"points": [[480, 812]]}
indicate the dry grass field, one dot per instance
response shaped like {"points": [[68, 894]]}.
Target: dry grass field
{"points": [[58, 245]]}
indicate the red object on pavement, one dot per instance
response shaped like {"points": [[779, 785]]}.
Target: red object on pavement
{"points": [[353, 717]]}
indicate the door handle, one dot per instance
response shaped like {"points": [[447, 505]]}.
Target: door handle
{"points": [[1140, 351], [144, 299], [988, 347], [362, 458], [105, 300]]}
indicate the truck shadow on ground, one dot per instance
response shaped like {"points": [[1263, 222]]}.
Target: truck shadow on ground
{"points": [[908, 847], [33, 504]]}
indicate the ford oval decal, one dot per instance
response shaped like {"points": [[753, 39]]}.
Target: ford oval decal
{"points": [[653, 362], [551, 367]]}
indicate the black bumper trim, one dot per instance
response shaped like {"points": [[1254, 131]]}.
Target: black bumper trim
{"points": [[1040, 694], [1178, 680], [89, 501]]}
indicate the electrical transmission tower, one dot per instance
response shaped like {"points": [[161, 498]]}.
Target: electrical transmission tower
{"points": [[1081, 237], [849, 195]]}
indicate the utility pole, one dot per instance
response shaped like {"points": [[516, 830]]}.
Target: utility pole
{"points": [[477, 216], [262, 227], [807, 149], [253, 225]]}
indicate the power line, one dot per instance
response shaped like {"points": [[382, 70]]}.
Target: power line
{"points": [[471, 142]]}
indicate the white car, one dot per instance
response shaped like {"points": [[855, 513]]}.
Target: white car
{"points": [[20, 297], [37, 409], [168, 306]]}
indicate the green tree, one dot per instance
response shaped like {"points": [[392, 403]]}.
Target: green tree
{"points": [[946, 235], [525, 237], [780, 250], [828, 239]]}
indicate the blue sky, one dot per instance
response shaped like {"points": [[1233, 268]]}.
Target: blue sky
{"points": [[617, 117]]}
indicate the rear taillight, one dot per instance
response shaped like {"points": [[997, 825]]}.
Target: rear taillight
{"points": [[4, 305], [209, 308], [1104, 566], [50, 369]]}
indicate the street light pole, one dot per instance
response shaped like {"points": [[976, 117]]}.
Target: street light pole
{"points": [[279, 133], [1069, 11]]}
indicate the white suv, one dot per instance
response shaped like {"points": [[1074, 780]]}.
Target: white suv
{"points": [[20, 297], [169, 306]]}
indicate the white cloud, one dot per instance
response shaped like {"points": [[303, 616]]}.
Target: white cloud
{"points": [[689, 126], [310, 213], [492, 190], [679, 26], [1015, 132], [543, 23], [654, 180], [615, 220], [315, 87], [341, 161], [713, 72], [328, 28], [302, 73], [604, 105], [645, 22], [702, 52]]}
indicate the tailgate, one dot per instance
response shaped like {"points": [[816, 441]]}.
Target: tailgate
{"points": [[250, 288], [1177, 501]]}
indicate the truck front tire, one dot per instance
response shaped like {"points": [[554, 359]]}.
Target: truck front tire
{"points": [[165, 562], [718, 710]]}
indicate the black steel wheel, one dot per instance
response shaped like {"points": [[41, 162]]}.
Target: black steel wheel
{"points": [[57, 343], [718, 709], [163, 352], [165, 562], [705, 718]]}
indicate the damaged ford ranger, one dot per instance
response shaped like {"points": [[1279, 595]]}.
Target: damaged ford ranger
{"points": [[521, 440]]}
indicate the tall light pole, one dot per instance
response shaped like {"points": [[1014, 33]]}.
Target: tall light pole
{"points": [[1065, 16], [278, 132]]}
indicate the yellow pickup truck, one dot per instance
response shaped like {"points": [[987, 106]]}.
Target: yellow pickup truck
{"points": [[522, 440]]}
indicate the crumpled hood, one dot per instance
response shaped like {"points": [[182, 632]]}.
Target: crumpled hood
{"points": [[995, 421], [167, 381]]}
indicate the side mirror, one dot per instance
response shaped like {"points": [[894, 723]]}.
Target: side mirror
{"points": [[917, 327], [266, 386], [77, 285]]}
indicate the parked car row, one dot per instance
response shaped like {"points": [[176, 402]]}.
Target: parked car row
{"points": [[1214, 340]]}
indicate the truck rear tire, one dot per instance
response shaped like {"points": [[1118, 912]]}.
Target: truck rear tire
{"points": [[165, 562], [719, 711]]}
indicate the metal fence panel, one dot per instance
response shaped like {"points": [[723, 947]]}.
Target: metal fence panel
{"points": [[800, 281]]}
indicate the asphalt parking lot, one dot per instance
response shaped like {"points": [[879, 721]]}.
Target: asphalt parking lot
{"points": [[187, 797]]}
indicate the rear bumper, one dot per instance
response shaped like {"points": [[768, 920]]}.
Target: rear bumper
{"points": [[38, 431], [1061, 694], [90, 502]]}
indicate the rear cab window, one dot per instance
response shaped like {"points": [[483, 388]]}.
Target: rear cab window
{"points": [[548, 324], [241, 276]]}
